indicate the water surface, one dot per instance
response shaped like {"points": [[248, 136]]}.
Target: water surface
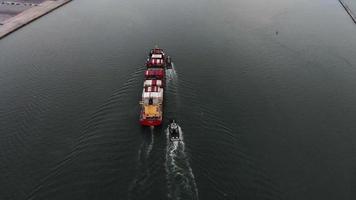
{"points": [[264, 92]]}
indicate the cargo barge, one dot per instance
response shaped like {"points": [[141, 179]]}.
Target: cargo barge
{"points": [[151, 104]]}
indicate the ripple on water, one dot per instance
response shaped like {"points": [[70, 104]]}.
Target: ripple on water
{"points": [[99, 151], [218, 154], [146, 168]]}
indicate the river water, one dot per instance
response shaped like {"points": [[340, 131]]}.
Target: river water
{"points": [[264, 92]]}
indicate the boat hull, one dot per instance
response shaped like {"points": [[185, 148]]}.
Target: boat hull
{"points": [[153, 88]]}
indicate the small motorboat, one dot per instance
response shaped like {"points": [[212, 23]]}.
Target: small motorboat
{"points": [[169, 62], [174, 132]]}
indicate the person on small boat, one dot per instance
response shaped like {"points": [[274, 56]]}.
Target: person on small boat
{"points": [[174, 130]]}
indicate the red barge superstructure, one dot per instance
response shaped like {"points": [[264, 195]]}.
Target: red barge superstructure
{"points": [[153, 88]]}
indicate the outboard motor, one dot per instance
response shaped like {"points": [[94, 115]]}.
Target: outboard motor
{"points": [[174, 131]]}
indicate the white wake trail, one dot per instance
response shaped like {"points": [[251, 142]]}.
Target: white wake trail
{"points": [[180, 178], [171, 76]]}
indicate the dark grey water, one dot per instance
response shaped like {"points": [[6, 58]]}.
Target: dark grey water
{"points": [[264, 91]]}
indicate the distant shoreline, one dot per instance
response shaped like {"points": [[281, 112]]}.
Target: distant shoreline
{"points": [[14, 23]]}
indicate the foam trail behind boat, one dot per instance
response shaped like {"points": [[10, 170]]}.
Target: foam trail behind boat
{"points": [[171, 75], [180, 178]]}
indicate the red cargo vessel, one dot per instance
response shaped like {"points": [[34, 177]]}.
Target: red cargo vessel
{"points": [[153, 88]]}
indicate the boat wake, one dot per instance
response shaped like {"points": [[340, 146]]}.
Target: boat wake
{"points": [[151, 143], [180, 178], [143, 173], [171, 75]]}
